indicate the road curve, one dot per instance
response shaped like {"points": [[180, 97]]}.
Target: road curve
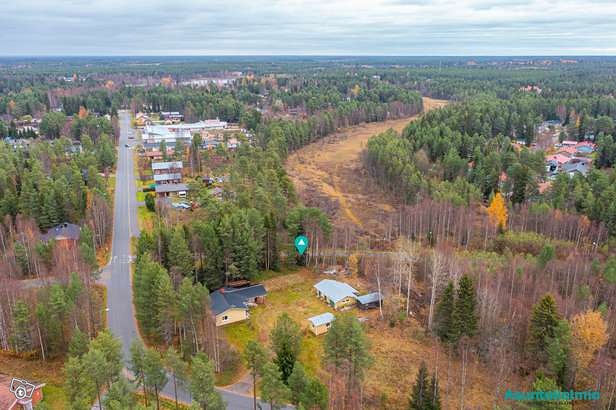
{"points": [[117, 277]]}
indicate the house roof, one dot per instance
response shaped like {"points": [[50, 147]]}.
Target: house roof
{"points": [[334, 290], [167, 165], [63, 231], [165, 188], [227, 298], [322, 319], [559, 158], [166, 177], [581, 167], [370, 298]]}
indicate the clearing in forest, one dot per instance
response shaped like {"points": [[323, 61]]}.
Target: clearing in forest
{"points": [[330, 174]]}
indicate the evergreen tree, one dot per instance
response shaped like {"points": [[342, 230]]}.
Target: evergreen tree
{"points": [[154, 373], [464, 312], [202, 384], [147, 277], [120, 396], [21, 337], [542, 327], [95, 366], [444, 314], [286, 342], [111, 348], [78, 345], [165, 308], [213, 257], [256, 357], [559, 354], [86, 247], [347, 347], [177, 369], [420, 395], [298, 383], [179, 257], [315, 395], [273, 389], [79, 388], [137, 366]]}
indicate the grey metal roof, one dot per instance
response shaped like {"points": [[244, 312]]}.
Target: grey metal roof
{"points": [[228, 298], [164, 188], [167, 177], [369, 298], [167, 165], [322, 319], [63, 231], [581, 167], [335, 290]]}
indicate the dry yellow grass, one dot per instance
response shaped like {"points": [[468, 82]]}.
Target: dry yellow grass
{"points": [[332, 169]]}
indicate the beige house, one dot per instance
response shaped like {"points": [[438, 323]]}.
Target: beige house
{"points": [[232, 315], [231, 305], [337, 294], [321, 323]]}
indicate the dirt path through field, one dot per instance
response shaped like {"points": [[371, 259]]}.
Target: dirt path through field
{"points": [[329, 174]]}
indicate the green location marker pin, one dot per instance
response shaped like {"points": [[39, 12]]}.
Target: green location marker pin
{"points": [[301, 243]]}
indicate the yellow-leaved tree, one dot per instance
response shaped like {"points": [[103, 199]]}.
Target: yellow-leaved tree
{"points": [[83, 112], [498, 211], [588, 335]]}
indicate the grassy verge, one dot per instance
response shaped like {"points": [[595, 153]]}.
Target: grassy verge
{"points": [[102, 292], [145, 218], [164, 402]]}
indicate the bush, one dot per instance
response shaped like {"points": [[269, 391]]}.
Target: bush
{"points": [[150, 202]]}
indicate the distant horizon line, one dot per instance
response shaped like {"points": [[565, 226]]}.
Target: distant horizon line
{"points": [[5, 56]]}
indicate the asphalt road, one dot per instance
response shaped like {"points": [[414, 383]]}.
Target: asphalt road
{"points": [[116, 276]]}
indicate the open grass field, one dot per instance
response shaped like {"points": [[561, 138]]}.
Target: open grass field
{"points": [[330, 174]]}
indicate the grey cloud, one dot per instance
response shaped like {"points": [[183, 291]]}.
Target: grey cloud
{"points": [[379, 27]]}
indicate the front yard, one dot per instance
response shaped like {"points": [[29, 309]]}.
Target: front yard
{"points": [[292, 294]]}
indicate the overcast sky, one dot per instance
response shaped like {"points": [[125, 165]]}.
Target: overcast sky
{"points": [[324, 27]]}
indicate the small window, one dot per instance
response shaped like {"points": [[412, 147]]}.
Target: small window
{"points": [[327, 324], [224, 318]]}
